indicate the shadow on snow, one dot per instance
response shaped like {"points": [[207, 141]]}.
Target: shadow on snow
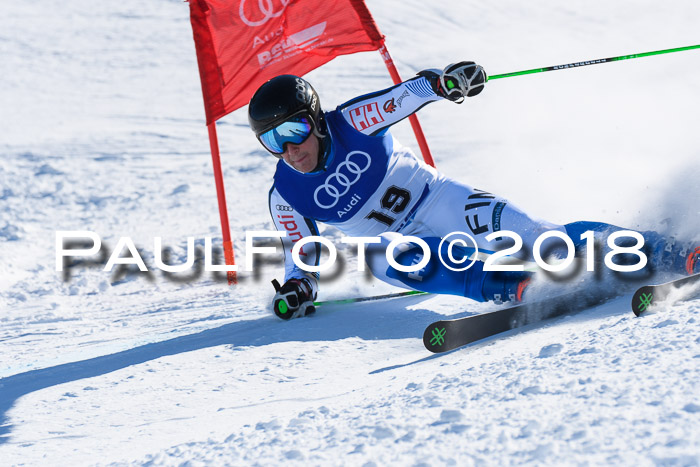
{"points": [[375, 321]]}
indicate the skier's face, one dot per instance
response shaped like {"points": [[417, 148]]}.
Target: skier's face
{"points": [[303, 157]]}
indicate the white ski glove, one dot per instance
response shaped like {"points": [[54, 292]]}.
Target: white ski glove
{"points": [[294, 299], [457, 81]]}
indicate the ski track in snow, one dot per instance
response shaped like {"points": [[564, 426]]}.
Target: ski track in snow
{"points": [[103, 130]]}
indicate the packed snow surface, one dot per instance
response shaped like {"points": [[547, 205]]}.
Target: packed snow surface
{"points": [[102, 129]]}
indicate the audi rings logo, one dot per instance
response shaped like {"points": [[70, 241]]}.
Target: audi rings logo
{"points": [[284, 207], [338, 183], [266, 11]]}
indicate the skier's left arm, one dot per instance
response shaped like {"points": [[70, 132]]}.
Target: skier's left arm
{"points": [[373, 114], [295, 297]]}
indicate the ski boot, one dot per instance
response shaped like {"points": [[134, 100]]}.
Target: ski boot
{"points": [[667, 255], [692, 264], [502, 287]]}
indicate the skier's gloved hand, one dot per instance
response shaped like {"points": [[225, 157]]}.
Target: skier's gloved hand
{"points": [[294, 299], [457, 81]]}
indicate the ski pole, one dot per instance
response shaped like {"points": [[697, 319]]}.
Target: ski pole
{"points": [[367, 299], [592, 62]]}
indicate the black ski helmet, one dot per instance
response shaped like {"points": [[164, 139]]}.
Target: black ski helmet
{"points": [[281, 98]]}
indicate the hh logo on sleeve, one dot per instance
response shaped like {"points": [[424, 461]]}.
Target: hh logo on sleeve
{"points": [[366, 116]]}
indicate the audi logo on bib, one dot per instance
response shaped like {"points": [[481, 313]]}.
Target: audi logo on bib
{"points": [[266, 10], [339, 182]]}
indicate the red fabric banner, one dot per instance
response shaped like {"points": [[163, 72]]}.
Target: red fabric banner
{"points": [[242, 43]]}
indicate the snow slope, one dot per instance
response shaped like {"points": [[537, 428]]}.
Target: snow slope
{"points": [[102, 129]]}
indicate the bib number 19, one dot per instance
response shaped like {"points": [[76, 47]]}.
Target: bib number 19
{"points": [[395, 200]]}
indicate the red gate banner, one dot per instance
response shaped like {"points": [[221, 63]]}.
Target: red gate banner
{"points": [[241, 44]]}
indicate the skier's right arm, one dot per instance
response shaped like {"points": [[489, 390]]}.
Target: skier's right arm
{"points": [[300, 287]]}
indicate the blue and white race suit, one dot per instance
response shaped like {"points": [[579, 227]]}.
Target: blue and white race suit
{"points": [[373, 186]]}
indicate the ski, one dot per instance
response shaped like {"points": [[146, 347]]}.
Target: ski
{"points": [[445, 335], [649, 295]]}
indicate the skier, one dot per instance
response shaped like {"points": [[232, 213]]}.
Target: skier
{"points": [[344, 168]]}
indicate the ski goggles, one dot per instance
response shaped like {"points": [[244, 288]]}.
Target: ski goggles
{"points": [[296, 130]]}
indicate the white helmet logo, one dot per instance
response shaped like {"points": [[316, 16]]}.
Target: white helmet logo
{"points": [[267, 10], [338, 184], [301, 90]]}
